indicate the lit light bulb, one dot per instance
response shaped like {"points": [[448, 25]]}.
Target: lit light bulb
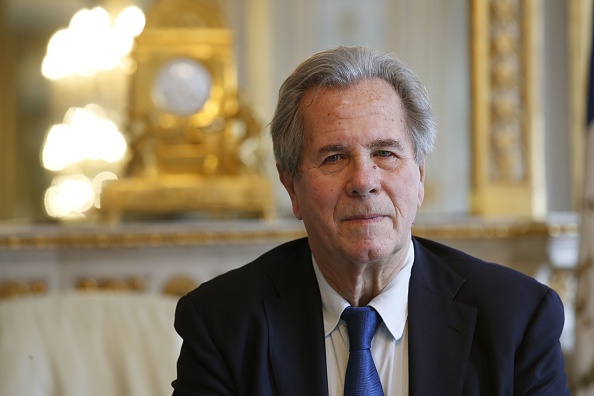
{"points": [[85, 135], [69, 195], [130, 21], [91, 43]]}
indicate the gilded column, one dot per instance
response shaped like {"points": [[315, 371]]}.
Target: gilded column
{"points": [[507, 130], [7, 121]]}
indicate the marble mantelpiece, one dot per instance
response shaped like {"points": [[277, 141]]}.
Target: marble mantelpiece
{"points": [[206, 248], [172, 257]]}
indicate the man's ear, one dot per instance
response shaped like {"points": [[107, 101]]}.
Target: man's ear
{"points": [[422, 170], [421, 194], [288, 182]]}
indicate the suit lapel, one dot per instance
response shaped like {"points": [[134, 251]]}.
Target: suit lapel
{"points": [[295, 324], [440, 328]]}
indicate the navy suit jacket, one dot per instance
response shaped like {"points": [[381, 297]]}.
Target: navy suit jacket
{"points": [[475, 328]]}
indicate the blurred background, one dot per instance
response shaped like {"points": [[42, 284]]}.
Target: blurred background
{"points": [[270, 38]]}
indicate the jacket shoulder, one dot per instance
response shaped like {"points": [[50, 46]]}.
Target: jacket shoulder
{"points": [[472, 268], [255, 275], [497, 289]]}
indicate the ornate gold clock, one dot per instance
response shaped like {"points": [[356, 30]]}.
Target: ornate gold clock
{"points": [[196, 145], [181, 87]]}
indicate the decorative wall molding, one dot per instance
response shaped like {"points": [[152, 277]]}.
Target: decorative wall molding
{"points": [[507, 128], [173, 258], [253, 231]]}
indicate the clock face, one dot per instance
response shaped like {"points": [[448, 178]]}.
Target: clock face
{"points": [[181, 87]]}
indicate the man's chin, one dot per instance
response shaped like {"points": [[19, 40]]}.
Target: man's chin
{"points": [[373, 233], [365, 251]]}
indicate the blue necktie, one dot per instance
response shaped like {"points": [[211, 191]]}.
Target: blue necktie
{"points": [[361, 375]]}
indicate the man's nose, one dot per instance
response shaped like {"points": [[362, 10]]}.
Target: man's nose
{"points": [[363, 177]]}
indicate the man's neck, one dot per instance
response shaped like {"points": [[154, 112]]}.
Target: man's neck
{"points": [[359, 283]]}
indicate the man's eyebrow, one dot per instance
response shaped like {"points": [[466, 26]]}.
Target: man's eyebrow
{"points": [[386, 143], [330, 148]]}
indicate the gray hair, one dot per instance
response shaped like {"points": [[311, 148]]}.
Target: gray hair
{"points": [[344, 66]]}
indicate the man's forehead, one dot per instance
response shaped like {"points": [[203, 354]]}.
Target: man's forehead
{"points": [[378, 85], [372, 144]]}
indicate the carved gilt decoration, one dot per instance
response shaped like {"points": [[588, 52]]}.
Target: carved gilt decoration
{"points": [[197, 144], [508, 158]]}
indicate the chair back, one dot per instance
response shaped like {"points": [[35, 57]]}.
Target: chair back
{"points": [[88, 344]]}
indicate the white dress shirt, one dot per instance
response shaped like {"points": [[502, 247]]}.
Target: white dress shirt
{"points": [[389, 346]]}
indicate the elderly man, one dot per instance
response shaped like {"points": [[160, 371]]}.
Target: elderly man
{"points": [[360, 306]]}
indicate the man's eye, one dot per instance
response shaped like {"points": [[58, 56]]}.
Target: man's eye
{"points": [[383, 153], [332, 158]]}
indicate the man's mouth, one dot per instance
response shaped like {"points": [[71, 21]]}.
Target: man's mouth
{"points": [[365, 217]]}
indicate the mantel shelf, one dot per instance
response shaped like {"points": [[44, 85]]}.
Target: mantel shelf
{"points": [[196, 233]]}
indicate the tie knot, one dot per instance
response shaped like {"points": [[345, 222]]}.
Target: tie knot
{"points": [[362, 322]]}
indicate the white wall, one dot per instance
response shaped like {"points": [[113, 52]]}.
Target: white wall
{"points": [[273, 36], [429, 35], [432, 37]]}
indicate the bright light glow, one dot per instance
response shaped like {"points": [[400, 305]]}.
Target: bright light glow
{"points": [[69, 196], [91, 43], [131, 21], [98, 185], [84, 135]]}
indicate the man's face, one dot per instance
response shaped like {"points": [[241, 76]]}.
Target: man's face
{"points": [[360, 187]]}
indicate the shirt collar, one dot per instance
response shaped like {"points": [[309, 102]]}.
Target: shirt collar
{"points": [[391, 303]]}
